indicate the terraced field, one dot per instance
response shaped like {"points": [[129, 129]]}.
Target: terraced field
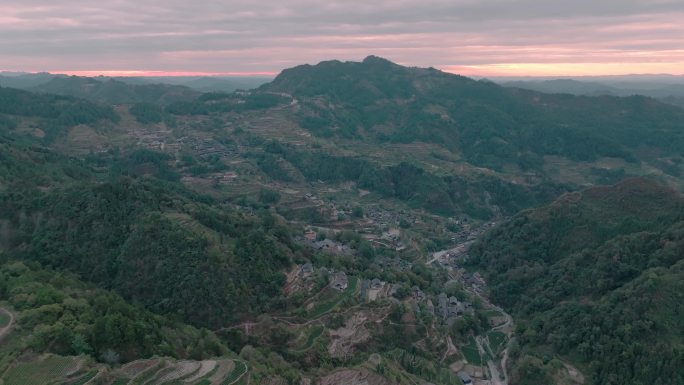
{"points": [[311, 335], [224, 368], [471, 353], [148, 374], [206, 367], [84, 379], [327, 305], [497, 340], [48, 369], [184, 372], [236, 374], [59, 370], [135, 368]]}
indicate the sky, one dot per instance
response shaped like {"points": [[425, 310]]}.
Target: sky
{"points": [[239, 37]]}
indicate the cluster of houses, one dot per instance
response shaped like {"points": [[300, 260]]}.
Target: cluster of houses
{"points": [[390, 239], [224, 177], [334, 247], [450, 308], [206, 147], [306, 270], [475, 281], [393, 264], [388, 218], [153, 138], [325, 245], [339, 281], [373, 289]]}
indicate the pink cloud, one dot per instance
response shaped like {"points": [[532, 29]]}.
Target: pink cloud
{"points": [[472, 37]]}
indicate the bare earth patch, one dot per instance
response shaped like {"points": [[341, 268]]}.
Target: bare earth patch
{"points": [[353, 377], [225, 367], [574, 374], [8, 318], [206, 367], [132, 369], [180, 370], [352, 333]]}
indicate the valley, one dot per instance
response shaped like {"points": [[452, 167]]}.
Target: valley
{"points": [[349, 222]]}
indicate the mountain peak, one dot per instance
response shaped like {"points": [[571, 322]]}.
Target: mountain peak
{"points": [[372, 59]]}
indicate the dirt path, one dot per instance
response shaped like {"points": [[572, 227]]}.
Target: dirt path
{"points": [[451, 349], [506, 328], [504, 361], [5, 330], [95, 377], [494, 377], [246, 372]]}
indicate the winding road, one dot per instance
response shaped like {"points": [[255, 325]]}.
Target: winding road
{"points": [[7, 328], [495, 378], [497, 368], [506, 328]]}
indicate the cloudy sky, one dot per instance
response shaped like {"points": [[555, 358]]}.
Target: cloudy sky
{"points": [[472, 37]]}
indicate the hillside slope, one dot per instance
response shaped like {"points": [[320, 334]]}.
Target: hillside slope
{"points": [[115, 91], [126, 223], [58, 313], [491, 125], [597, 277]]}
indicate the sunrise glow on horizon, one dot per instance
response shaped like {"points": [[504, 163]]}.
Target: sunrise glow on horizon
{"points": [[467, 37], [495, 70], [145, 73]]}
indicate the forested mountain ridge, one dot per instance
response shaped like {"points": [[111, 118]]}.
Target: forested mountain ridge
{"points": [[63, 315], [597, 277], [103, 218], [146, 238], [50, 115], [101, 89], [115, 91], [491, 125]]}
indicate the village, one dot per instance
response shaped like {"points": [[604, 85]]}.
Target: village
{"points": [[325, 214]]}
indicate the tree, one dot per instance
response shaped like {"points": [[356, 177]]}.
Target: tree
{"points": [[366, 250], [80, 345], [357, 212]]}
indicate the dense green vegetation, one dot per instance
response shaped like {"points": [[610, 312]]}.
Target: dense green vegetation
{"points": [[118, 235], [213, 103], [408, 182], [112, 220], [43, 372], [121, 221], [63, 315], [597, 276], [147, 113], [112, 252], [107, 90], [55, 112]]}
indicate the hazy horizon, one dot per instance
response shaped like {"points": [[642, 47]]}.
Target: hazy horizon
{"points": [[271, 75], [242, 38]]}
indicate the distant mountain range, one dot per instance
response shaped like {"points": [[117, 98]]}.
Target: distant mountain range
{"points": [[667, 89], [157, 89]]}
